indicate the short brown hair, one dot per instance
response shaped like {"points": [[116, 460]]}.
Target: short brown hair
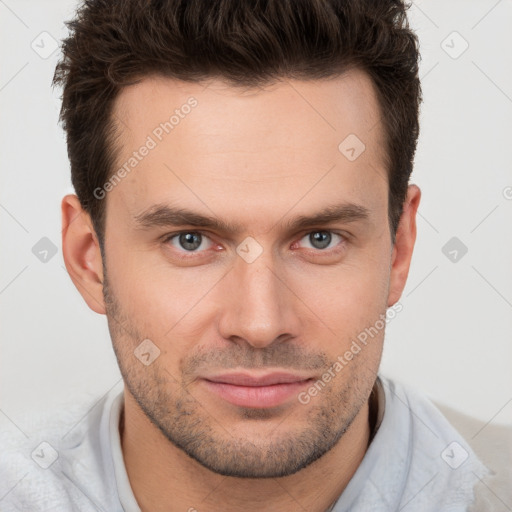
{"points": [[115, 43]]}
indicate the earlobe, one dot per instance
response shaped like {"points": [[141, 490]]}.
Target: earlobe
{"points": [[81, 252], [404, 245]]}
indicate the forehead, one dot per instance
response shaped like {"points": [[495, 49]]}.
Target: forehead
{"points": [[231, 150]]}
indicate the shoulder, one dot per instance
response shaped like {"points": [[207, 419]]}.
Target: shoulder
{"points": [[493, 445], [438, 458], [36, 471]]}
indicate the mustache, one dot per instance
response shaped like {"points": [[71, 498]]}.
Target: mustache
{"points": [[282, 355]]}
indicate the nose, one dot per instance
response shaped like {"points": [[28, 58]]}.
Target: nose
{"points": [[259, 307]]}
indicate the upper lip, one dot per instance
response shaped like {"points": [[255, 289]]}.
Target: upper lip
{"points": [[246, 379]]}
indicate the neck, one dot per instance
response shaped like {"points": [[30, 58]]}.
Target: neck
{"points": [[164, 478]]}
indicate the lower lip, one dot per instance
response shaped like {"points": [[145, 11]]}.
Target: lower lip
{"points": [[256, 396]]}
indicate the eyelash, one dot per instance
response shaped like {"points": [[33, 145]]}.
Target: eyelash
{"points": [[191, 254]]}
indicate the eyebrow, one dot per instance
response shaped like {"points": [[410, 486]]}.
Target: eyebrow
{"points": [[162, 215]]}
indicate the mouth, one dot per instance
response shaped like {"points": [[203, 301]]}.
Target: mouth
{"points": [[257, 391]]}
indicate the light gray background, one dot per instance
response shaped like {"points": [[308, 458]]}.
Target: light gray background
{"points": [[453, 337]]}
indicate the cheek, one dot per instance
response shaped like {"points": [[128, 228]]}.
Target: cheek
{"points": [[347, 302], [351, 293], [159, 299], [166, 302]]}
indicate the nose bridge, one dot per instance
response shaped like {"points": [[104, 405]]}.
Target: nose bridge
{"points": [[260, 307]]}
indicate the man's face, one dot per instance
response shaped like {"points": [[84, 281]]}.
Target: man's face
{"points": [[257, 296]]}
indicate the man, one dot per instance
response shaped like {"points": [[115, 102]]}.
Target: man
{"points": [[243, 218]]}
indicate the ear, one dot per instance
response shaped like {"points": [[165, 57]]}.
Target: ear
{"points": [[404, 245], [81, 251]]}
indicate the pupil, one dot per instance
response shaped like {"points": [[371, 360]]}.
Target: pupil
{"points": [[190, 241], [320, 239]]}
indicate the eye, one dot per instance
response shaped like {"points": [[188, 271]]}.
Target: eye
{"points": [[322, 239], [189, 241], [196, 241]]}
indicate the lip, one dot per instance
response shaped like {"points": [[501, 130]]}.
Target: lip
{"points": [[256, 391]]}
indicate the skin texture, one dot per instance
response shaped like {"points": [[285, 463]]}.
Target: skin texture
{"points": [[256, 158]]}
